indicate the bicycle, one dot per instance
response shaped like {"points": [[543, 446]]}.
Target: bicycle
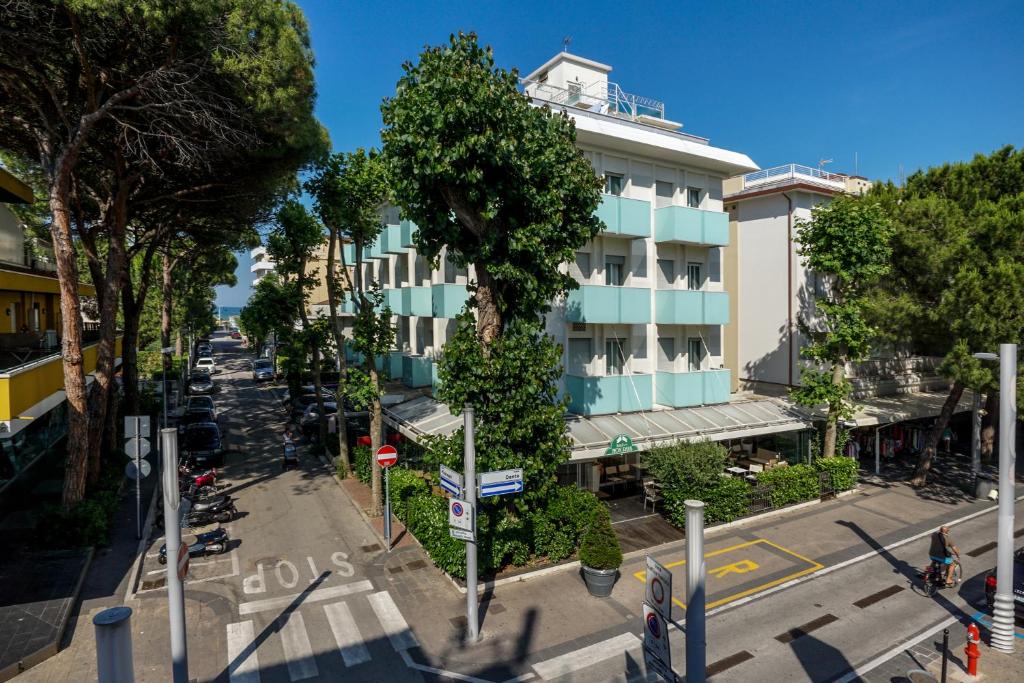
{"points": [[933, 577]]}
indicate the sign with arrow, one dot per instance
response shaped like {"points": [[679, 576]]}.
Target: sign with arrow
{"points": [[500, 482], [452, 481]]}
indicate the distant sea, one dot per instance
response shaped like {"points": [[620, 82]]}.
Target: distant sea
{"points": [[223, 312]]}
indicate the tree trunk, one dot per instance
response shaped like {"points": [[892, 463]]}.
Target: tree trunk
{"points": [[931, 441], [71, 340], [314, 353], [376, 426], [488, 321], [339, 344], [832, 424]]}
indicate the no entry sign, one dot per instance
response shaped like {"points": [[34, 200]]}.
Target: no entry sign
{"points": [[387, 456]]}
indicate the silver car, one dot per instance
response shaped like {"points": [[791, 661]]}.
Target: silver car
{"points": [[262, 370]]}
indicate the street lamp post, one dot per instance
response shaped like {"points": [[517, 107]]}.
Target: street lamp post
{"points": [[1003, 614]]}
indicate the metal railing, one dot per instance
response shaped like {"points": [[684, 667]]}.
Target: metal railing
{"points": [[601, 96], [792, 172]]}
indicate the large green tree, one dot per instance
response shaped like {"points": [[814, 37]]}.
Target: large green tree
{"points": [[846, 243]]}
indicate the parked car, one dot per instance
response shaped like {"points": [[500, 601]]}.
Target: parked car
{"points": [[195, 415], [309, 422], [201, 382], [300, 403], [235, 334], [1018, 586], [202, 444], [201, 402], [208, 364], [262, 369]]}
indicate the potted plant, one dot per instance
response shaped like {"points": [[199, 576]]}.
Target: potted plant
{"points": [[600, 555]]}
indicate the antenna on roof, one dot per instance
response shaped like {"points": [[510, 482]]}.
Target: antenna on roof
{"points": [[566, 42], [822, 162]]}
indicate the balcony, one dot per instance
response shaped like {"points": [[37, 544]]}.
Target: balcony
{"points": [[449, 300], [683, 389], [349, 253], [793, 173], [392, 240], [687, 225], [376, 249], [406, 230], [418, 371], [258, 253], [609, 305], [625, 217], [413, 301], [608, 394], [690, 307]]}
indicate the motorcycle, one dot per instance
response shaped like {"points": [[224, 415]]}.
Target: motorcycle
{"points": [[206, 511], [187, 476], [210, 543]]}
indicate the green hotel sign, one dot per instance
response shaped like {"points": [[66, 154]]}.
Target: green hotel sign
{"points": [[621, 444]]}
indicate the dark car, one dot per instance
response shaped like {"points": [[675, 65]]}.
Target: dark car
{"points": [[202, 402], [195, 415], [202, 444], [299, 404], [309, 422], [201, 383], [262, 370], [1018, 586]]}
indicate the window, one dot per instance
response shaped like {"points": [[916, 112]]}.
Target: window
{"points": [[666, 354], [693, 197], [401, 332], [583, 264], [613, 184], [666, 273], [715, 341], [614, 270], [715, 264], [694, 353], [402, 271], [614, 355], [581, 353], [663, 194], [449, 271], [693, 278]]}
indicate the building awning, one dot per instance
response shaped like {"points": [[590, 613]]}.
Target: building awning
{"points": [[883, 410], [423, 416]]}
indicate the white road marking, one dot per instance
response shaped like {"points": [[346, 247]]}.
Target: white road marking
{"points": [[243, 662], [297, 650], [346, 633], [906, 645], [318, 595], [586, 656], [407, 658], [392, 620]]}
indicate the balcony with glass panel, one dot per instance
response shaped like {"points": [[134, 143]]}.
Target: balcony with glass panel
{"points": [[625, 217], [448, 300], [609, 305], [690, 307], [418, 371], [689, 225], [683, 389], [406, 230], [607, 394]]}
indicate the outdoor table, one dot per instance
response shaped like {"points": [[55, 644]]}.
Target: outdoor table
{"points": [[736, 471]]}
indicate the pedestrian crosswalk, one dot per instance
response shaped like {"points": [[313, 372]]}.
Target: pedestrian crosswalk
{"points": [[319, 640]]}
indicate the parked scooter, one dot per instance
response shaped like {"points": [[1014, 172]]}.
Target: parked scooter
{"points": [[201, 478], [210, 543], [207, 510]]}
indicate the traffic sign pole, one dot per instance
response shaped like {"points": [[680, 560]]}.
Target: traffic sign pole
{"points": [[387, 509], [469, 467], [172, 529]]}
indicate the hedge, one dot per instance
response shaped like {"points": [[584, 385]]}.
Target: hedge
{"points": [[793, 484], [841, 469], [404, 484], [364, 464]]}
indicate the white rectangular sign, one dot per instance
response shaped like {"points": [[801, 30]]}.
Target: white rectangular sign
{"points": [[501, 482], [461, 534], [656, 636], [167, 349], [129, 426], [659, 588], [460, 515], [659, 667], [451, 481]]}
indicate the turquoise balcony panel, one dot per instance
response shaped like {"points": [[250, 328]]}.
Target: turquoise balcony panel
{"points": [[406, 230], [610, 305], [449, 300], [692, 226], [682, 389], [376, 249], [717, 385], [417, 301], [435, 381], [624, 216], [392, 240], [690, 307], [393, 299], [395, 365], [609, 394], [348, 306], [417, 371], [349, 252]]}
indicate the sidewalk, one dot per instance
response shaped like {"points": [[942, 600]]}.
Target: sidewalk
{"points": [[993, 666]]}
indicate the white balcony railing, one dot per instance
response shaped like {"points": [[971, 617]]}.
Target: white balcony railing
{"points": [[601, 96], [792, 173]]}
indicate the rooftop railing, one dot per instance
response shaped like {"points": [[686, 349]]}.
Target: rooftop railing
{"points": [[601, 96], [794, 172]]}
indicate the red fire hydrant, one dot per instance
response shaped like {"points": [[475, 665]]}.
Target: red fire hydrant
{"points": [[972, 651]]}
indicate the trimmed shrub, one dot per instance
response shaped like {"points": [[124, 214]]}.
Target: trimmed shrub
{"points": [[364, 463], [726, 501], [693, 471], [841, 469], [600, 548], [427, 519], [404, 484], [793, 484], [559, 527]]}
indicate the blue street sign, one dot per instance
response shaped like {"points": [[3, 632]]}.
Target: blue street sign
{"points": [[451, 481], [499, 489], [501, 482]]}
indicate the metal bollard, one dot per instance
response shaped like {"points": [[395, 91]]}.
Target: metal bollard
{"points": [[945, 653], [114, 645]]}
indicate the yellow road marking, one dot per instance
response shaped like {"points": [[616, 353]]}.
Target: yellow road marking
{"points": [[815, 566], [741, 567]]}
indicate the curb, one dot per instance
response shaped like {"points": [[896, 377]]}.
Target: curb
{"points": [[53, 647]]}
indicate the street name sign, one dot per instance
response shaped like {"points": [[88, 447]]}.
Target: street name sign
{"points": [[387, 456], [656, 642], [451, 481], [659, 588], [167, 349], [500, 482], [130, 428], [137, 447], [659, 667], [462, 534], [621, 444]]}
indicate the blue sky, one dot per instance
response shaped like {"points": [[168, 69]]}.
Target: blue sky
{"points": [[908, 84]]}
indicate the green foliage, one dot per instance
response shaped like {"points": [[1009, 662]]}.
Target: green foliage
{"points": [[363, 459], [427, 519], [817, 389], [693, 471], [793, 484], [841, 469], [481, 171], [87, 523], [559, 527], [600, 547], [348, 190], [727, 499], [404, 484]]}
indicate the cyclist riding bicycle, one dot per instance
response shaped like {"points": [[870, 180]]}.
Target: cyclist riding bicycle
{"points": [[942, 551]]}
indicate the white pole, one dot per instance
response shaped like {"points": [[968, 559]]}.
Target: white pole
{"points": [[1003, 615], [469, 464], [696, 571], [113, 629], [172, 530]]}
